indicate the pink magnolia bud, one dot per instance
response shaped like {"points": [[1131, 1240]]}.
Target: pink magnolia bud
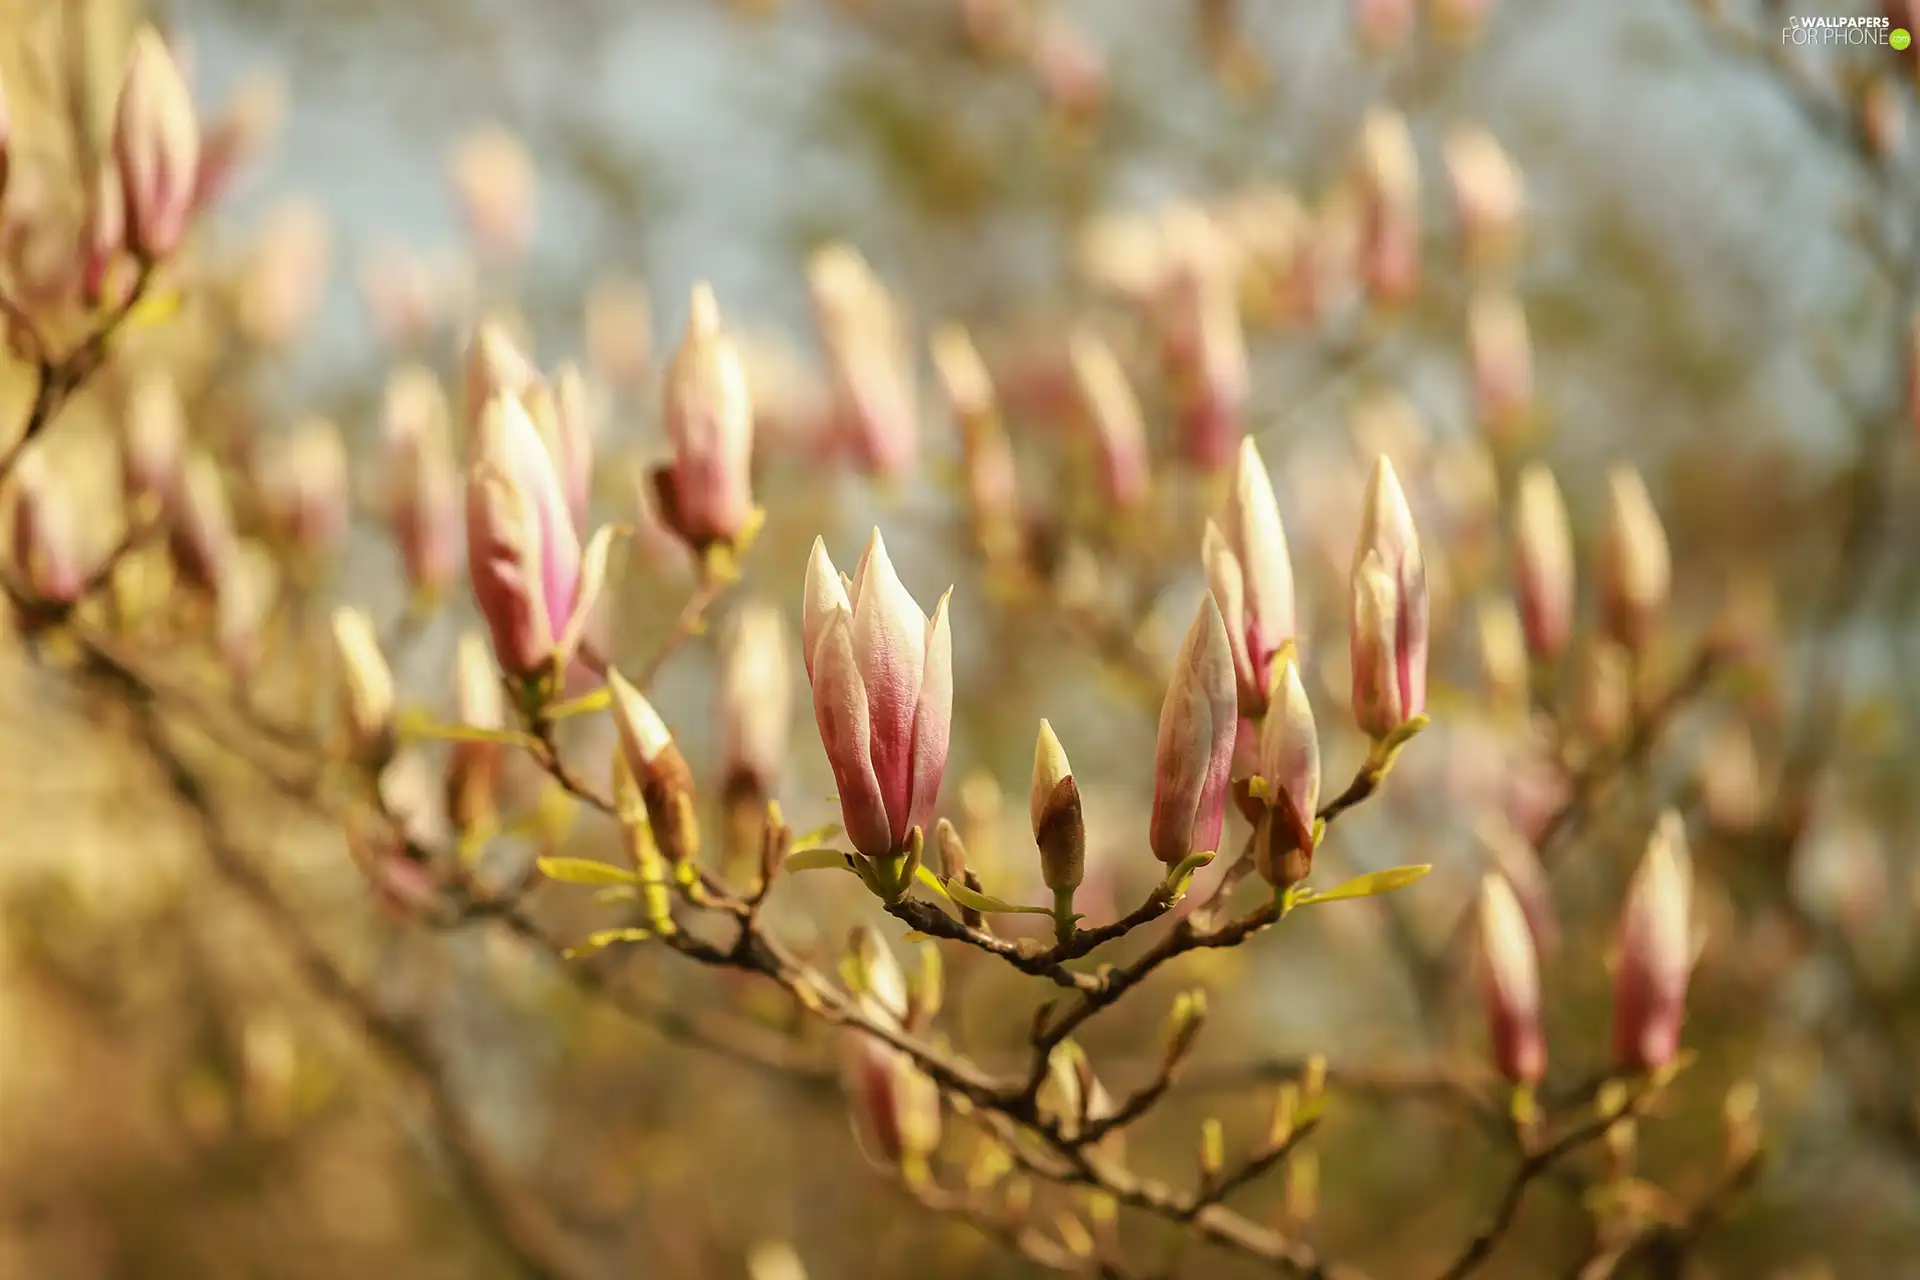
{"points": [[155, 425], [103, 238], [1289, 761], [156, 143], [875, 400], [1383, 24], [1113, 414], [882, 678], [1072, 72], [1489, 196], [1655, 952], [619, 332], [1251, 577], [1206, 340], [993, 487], [523, 555], [307, 486], [495, 365], [706, 494], [1636, 567], [1388, 635], [756, 697], [563, 411], [284, 278], [1502, 357], [1503, 653], [1519, 866], [655, 763], [366, 686], [424, 501], [1543, 563], [474, 768], [1053, 805], [201, 529], [493, 177], [1510, 984], [6, 140], [1389, 182], [44, 533], [1193, 756], [243, 602], [896, 1109]]}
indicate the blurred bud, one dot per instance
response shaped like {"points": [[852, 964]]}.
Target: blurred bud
{"points": [[1458, 21], [1251, 576], [243, 603], [156, 144], [201, 524], [1059, 829], [1283, 840], [1193, 755], [1206, 342], [1521, 870], [562, 412], [882, 678], [103, 238], [474, 767], [307, 486], [244, 129], [1729, 774], [1113, 414], [44, 533], [951, 850], [284, 277], [1503, 653], [1072, 72], [1883, 115], [424, 501], [366, 687], [1543, 563], [1604, 694], [666, 784], [155, 425], [523, 555], [1636, 569], [996, 28], [774, 1260], [619, 332], [402, 295], [896, 1109], [706, 494], [1655, 952], [756, 697], [495, 365], [1388, 634], [1489, 196], [6, 141], [1382, 25], [876, 978], [1502, 357], [493, 177], [993, 497], [1389, 186], [876, 401], [1510, 984]]}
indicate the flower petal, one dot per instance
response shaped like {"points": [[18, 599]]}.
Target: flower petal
{"points": [[840, 709], [932, 719]]}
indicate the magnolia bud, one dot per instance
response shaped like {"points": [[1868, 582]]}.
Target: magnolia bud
{"points": [[1503, 653], [103, 237], [366, 687], [474, 767], [156, 144], [1251, 577], [1501, 353], [284, 279], [1389, 182], [307, 486], [493, 176], [876, 401], [1655, 952], [1510, 983], [1522, 871], [1206, 341], [993, 491], [1193, 756], [1290, 764], [1489, 196], [1059, 829], [44, 534], [424, 498], [756, 697], [1113, 414], [666, 784], [201, 524], [6, 140], [1388, 631], [1543, 563], [706, 495], [1383, 24], [1636, 568]]}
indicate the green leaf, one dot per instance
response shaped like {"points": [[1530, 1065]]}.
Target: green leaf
{"points": [[1182, 874], [603, 939], [930, 878], [816, 860], [415, 725], [816, 838], [585, 704], [991, 906], [1367, 885], [584, 871]]}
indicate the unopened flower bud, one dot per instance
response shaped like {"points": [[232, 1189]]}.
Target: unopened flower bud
{"points": [[307, 486], [200, 530], [284, 278], [155, 427], [156, 144], [993, 497], [756, 697], [666, 784], [1383, 25], [495, 366], [1503, 653], [1193, 755], [103, 239], [1389, 183], [1290, 763], [44, 533], [876, 401], [366, 687], [1112, 412], [1388, 631], [1501, 353], [1636, 568], [1655, 952], [1489, 196], [1519, 866], [1206, 340], [493, 176], [474, 767], [1510, 984], [1071, 69], [1251, 576], [896, 1109], [424, 500], [1543, 563], [706, 494], [1059, 829]]}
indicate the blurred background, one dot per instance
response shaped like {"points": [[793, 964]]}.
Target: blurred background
{"points": [[1714, 255]]}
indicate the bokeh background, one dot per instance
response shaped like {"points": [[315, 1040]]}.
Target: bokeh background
{"points": [[1718, 273]]}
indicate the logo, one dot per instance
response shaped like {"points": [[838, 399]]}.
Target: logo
{"points": [[1822, 29]]}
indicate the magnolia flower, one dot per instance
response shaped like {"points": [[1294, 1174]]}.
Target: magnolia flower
{"points": [[1489, 195], [156, 145], [1501, 353], [1389, 183], [1053, 803], [1655, 952], [1388, 635], [534, 587], [1193, 756], [706, 494], [366, 685], [1543, 563], [882, 678], [1289, 761], [1636, 567], [1510, 984], [1112, 412], [1251, 577], [1206, 338], [875, 400]]}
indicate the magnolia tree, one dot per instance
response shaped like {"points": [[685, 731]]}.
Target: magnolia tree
{"points": [[1017, 1016]]}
